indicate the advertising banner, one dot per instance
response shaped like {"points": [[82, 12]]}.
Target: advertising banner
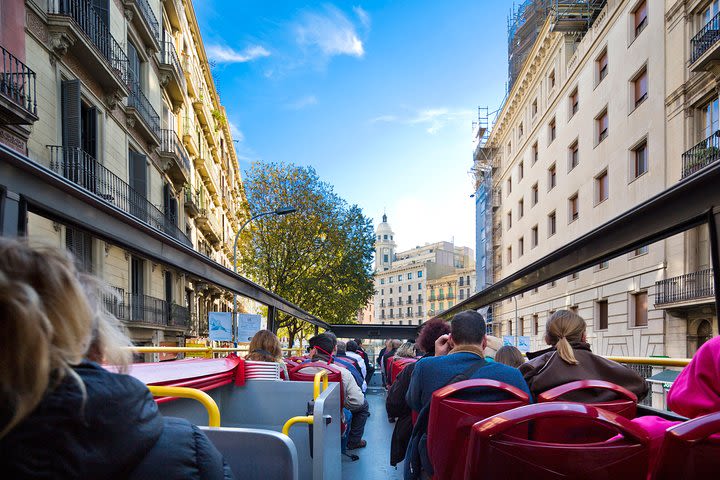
{"points": [[248, 326], [220, 324]]}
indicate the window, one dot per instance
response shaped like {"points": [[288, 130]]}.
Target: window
{"points": [[551, 79], [509, 220], [534, 108], [390, 279], [80, 245], [399, 278], [640, 251], [509, 255], [510, 327], [382, 281], [419, 284], [535, 153], [574, 102], [602, 66], [710, 118], [509, 185], [573, 208], [640, 87], [536, 324], [399, 288], [573, 155], [534, 236], [639, 301], [391, 290], [409, 276], [602, 126], [603, 265], [573, 276], [521, 325], [552, 224], [534, 195], [521, 170], [601, 309], [521, 246], [509, 147], [521, 208], [602, 187], [640, 17], [419, 275], [386, 260], [640, 162], [552, 177], [410, 287], [552, 130], [520, 130]]}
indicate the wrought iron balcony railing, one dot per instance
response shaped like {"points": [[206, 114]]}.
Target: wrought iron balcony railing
{"points": [[96, 30], [701, 155], [170, 143], [139, 101], [707, 37], [690, 286], [83, 170], [17, 82], [149, 18], [148, 310], [168, 56]]}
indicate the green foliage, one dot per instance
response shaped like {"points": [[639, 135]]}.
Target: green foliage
{"points": [[318, 257]]}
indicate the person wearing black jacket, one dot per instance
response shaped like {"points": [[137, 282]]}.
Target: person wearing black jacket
{"points": [[395, 403]]}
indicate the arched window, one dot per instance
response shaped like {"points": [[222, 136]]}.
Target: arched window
{"points": [[704, 332]]}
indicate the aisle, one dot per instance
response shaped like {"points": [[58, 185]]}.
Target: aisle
{"points": [[374, 463]]}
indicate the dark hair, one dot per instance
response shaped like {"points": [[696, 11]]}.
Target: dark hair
{"points": [[324, 341], [351, 346], [340, 347], [358, 341], [509, 355], [431, 331], [467, 327]]}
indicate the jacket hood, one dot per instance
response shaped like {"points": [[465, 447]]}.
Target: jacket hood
{"points": [[696, 390], [104, 435]]}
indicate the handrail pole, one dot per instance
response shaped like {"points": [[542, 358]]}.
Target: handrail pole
{"points": [[321, 375], [309, 419], [192, 393]]}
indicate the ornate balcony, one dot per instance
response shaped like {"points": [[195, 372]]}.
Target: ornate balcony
{"points": [[208, 224], [143, 116], [83, 170], [145, 22], [704, 46], [173, 78], [75, 26], [192, 202], [701, 155], [138, 309], [177, 162], [696, 287], [174, 11], [18, 103]]}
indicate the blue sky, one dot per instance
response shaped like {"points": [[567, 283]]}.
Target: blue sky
{"points": [[378, 96]]}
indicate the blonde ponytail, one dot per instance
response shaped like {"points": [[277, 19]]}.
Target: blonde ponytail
{"points": [[562, 328]]}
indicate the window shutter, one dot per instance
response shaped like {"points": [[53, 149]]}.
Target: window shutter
{"points": [[71, 117], [138, 184]]}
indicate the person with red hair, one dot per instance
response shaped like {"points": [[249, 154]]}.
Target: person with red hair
{"points": [[395, 403]]}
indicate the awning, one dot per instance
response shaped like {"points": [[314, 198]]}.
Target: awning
{"points": [[666, 376]]}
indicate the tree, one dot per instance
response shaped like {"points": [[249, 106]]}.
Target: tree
{"points": [[319, 257]]}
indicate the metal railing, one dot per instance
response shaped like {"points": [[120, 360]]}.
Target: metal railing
{"points": [[170, 143], [82, 169], [701, 155], [96, 30], [139, 101], [17, 82], [705, 38], [149, 18], [138, 308], [690, 286], [168, 56]]}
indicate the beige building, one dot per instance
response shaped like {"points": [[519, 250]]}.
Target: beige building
{"points": [[444, 292], [127, 110], [602, 116]]}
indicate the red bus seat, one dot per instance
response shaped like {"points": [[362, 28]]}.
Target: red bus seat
{"points": [[388, 370], [398, 365], [498, 451], [691, 449], [334, 375], [451, 418]]}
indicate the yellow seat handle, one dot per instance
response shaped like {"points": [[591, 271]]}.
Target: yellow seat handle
{"points": [[286, 428], [321, 375], [184, 392]]}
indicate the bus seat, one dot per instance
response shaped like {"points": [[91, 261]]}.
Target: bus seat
{"points": [[497, 451], [398, 365], [388, 371], [255, 454], [568, 430], [451, 419], [334, 375], [691, 449]]}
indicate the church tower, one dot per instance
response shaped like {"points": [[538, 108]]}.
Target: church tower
{"points": [[384, 246]]}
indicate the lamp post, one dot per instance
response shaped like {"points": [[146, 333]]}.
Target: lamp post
{"points": [[280, 211]]}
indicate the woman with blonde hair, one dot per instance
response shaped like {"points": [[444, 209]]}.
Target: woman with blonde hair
{"points": [[265, 347], [510, 356], [406, 350], [569, 359], [61, 414]]}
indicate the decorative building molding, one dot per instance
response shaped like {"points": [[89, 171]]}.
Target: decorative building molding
{"points": [[129, 14], [113, 99], [60, 42]]}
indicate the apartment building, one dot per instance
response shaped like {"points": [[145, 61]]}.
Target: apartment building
{"points": [[117, 98], [401, 277], [444, 292]]}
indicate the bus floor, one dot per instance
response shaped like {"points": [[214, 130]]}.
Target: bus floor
{"points": [[374, 463]]}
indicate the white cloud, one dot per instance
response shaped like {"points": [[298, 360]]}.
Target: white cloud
{"points": [[362, 15], [384, 118], [330, 31], [223, 54], [236, 133], [303, 102], [434, 119]]}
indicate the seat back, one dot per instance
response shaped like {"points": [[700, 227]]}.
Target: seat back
{"points": [[498, 451], [451, 418], [388, 370], [691, 449], [334, 375], [398, 365]]}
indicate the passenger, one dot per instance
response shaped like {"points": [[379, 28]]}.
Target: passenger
{"points": [[63, 415], [265, 347], [406, 350], [322, 348], [369, 367], [350, 364], [380, 357], [570, 359], [395, 403], [351, 349], [394, 345], [458, 356], [493, 345], [510, 356]]}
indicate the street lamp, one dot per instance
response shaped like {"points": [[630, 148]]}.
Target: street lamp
{"points": [[279, 211]]}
